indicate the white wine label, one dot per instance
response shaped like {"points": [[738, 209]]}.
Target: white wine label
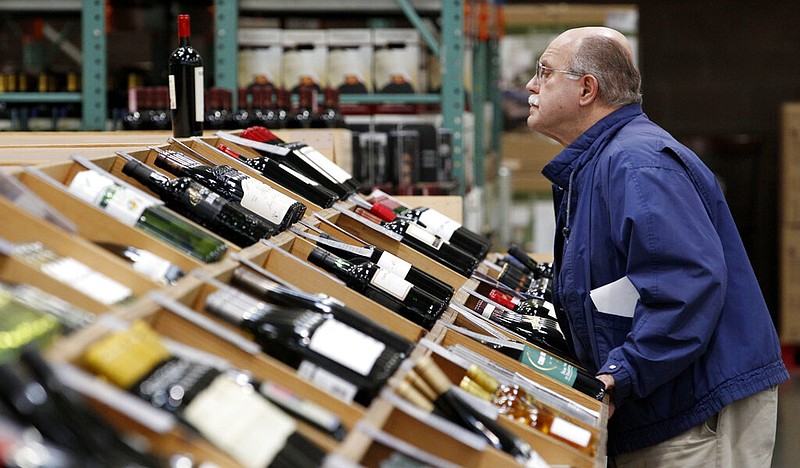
{"points": [[387, 281], [238, 420], [333, 384], [265, 201], [152, 266], [339, 174], [487, 311], [423, 235], [199, 95], [304, 407], [439, 224], [84, 279], [121, 203], [173, 100], [395, 264], [347, 346], [571, 432], [298, 175]]}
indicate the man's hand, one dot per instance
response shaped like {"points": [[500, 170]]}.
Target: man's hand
{"points": [[608, 380]]}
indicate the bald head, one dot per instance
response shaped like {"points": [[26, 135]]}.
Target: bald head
{"points": [[578, 34]]}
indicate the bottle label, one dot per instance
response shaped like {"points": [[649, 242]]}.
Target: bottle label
{"points": [[486, 310], [298, 175], [308, 409], [571, 432], [173, 100], [395, 264], [504, 299], [152, 266], [387, 281], [84, 279], [549, 365], [439, 224], [119, 202], [338, 174], [238, 420], [265, 201], [347, 346], [424, 236], [328, 382], [199, 95]]}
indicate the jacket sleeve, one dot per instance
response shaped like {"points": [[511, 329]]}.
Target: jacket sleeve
{"points": [[673, 256]]}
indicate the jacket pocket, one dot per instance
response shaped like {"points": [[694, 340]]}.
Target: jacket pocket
{"points": [[610, 331]]}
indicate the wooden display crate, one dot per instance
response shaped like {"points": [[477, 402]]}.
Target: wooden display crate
{"points": [[20, 227], [789, 279]]}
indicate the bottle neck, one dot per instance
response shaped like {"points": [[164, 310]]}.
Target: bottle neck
{"points": [[176, 163]]}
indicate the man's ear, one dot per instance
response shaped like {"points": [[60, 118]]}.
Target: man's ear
{"points": [[590, 89]]}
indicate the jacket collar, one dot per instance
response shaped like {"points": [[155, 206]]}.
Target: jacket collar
{"points": [[579, 152]]}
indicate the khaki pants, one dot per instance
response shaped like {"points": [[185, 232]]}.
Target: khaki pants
{"points": [[741, 435]]}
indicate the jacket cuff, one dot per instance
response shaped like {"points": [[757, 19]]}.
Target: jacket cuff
{"points": [[622, 381]]}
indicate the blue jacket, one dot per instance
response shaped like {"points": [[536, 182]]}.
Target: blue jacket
{"points": [[632, 201]]}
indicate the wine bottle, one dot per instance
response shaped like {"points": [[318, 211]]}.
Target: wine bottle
{"points": [[307, 160], [515, 403], [516, 302], [383, 287], [146, 262], [74, 273], [236, 186], [330, 116], [302, 408], [245, 115], [428, 283], [342, 360], [206, 207], [287, 178], [425, 242], [69, 316], [186, 85], [124, 204], [301, 116], [547, 364], [541, 331], [450, 404], [265, 289], [21, 326], [539, 269], [449, 230], [222, 406]]}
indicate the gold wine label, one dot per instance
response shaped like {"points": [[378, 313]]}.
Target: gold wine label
{"points": [[125, 357]]}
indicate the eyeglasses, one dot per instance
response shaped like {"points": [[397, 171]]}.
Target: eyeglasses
{"points": [[541, 70]]}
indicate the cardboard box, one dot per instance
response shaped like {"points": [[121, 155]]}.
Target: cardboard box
{"points": [[790, 164], [260, 56], [397, 60], [350, 60], [789, 279], [525, 153], [305, 54]]}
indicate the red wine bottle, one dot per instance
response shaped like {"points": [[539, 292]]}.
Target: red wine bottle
{"points": [[329, 116], [429, 283], [539, 269], [383, 287], [353, 365], [186, 85], [450, 230], [236, 186], [203, 206], [420, 239], [286, 177], [302, 115]]}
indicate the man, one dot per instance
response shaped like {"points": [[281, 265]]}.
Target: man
{"points": [[656, 293]]}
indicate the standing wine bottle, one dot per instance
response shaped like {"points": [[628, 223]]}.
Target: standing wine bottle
{"points": [[222, 406], [302, 115], [449, 230], [146, 262], [236, 186], [125, 205], [429, 283], [338, 358], [515, 403], [420, 239], [207, 208], [383, 287], [186, 93], [547, 364], [287, 178], [330, 116]]}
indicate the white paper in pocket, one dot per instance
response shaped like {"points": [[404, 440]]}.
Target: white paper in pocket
{"points": [[617, 298]]}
